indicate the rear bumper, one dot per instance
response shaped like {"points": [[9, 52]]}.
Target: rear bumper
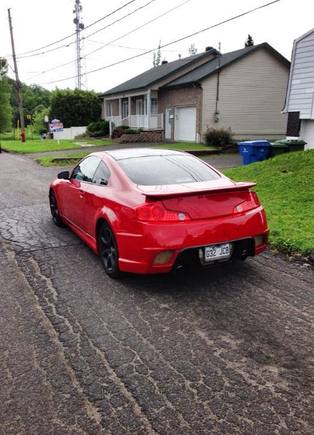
{"points": [[138, 251]]}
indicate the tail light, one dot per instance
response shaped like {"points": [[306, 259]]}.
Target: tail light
{"points": [[156, 212], [249, 204]]}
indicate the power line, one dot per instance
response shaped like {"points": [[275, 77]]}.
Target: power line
{"points": [[119, 19], [91, 34], [52, 69], [138, 28], [114, 40], [73, 34], [37, 74], [170, 43], [127, 47]]}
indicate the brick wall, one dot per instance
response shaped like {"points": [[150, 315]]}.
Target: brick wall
{"points": [[149, 136]]}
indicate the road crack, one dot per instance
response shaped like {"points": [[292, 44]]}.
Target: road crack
{"points": [[90, 409]]}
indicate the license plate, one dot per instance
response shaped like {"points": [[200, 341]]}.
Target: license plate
{"points": [[217, 252]]}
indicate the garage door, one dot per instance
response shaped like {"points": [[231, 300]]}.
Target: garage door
{"points": [[185, 124]]}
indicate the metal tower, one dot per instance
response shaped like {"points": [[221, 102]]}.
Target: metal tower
{"points": [[78, 27]]}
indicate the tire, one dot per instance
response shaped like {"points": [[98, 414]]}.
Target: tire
{"points": [[108, 251], [55, 210]]}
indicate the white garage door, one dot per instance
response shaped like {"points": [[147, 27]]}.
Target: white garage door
{"points": [[185, 124]]}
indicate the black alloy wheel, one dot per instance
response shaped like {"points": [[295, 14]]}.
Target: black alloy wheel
{"points": [[54, 210], [108, 251]]}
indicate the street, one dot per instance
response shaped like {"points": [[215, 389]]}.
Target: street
{"points": [[224, 351]]}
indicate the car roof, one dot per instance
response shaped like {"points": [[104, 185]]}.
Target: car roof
{"points": [[129, 153]]}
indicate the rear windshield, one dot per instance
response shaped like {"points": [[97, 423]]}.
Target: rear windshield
{"points": [[167, 169]]}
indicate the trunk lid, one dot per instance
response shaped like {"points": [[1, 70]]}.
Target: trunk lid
{"points": [[201, 200]]}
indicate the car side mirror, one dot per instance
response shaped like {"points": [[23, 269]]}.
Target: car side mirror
{"points": [[64, 175], [103, 181]]}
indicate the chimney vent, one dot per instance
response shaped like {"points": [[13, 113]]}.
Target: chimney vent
{"points": [[208, 48], [164, 62]]}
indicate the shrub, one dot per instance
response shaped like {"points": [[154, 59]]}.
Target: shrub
{"points": [[119, 131], [82, 136], [98, 128], [218, 137]]}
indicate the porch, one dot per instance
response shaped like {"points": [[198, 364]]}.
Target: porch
{"points": [[153, 122], [135, 111]]}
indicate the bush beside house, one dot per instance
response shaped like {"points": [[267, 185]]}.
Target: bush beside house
{"points": [[219, 137], [98, 128]]}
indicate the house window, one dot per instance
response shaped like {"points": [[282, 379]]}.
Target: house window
{"points": [[140, 106], [109, 108], [154, 105], [125, 109]]}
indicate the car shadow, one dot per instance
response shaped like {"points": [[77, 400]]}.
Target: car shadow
{"points": [[193, 278]]}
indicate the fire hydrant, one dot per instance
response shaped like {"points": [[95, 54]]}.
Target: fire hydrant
{"points": [[23, 136]]}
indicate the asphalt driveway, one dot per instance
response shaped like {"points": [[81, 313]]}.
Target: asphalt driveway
{"points": [[227, 351]]}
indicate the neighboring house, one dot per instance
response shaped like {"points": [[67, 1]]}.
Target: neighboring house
{"points": [[243, 90], [300, 92]]}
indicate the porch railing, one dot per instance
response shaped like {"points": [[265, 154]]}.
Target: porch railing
{"points": [[154, 122]]}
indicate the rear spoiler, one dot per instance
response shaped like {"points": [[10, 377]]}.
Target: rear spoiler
{"points": [[181, 191]]}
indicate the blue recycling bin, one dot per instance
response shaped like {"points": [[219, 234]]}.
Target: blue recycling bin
{"points": [[254, 150]]}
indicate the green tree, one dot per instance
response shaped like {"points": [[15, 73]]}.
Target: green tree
{"points": [[38, 118], [249, 41], [33, 96], [5, 91], [75, 107]]}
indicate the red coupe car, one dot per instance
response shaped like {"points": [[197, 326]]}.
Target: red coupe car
{"points": [[151, 210]]}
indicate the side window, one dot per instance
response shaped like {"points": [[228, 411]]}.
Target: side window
{"points": [[85, 171], [102, 174]]}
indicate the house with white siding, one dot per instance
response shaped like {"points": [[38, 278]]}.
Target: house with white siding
{"points": [[243, 90], [300, 92]]}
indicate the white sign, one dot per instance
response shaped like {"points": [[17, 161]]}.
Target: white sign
{"points": [[55, 125]]}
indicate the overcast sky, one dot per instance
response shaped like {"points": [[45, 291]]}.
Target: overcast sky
{"points": [[40, 22]]}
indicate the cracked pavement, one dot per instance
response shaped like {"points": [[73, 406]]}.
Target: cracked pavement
{"points": [[224, 351]]}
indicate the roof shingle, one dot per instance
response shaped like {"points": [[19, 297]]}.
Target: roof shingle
{"points": [[220, 62], [155, 74]]}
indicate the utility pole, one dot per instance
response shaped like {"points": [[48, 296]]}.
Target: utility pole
{"points": [[17, 81], [78, 27]]}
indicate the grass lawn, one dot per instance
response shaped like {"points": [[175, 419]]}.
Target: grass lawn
{"points": [[72, 159], [62, 160], [40, 146], [285, 187], [15, 134]]}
